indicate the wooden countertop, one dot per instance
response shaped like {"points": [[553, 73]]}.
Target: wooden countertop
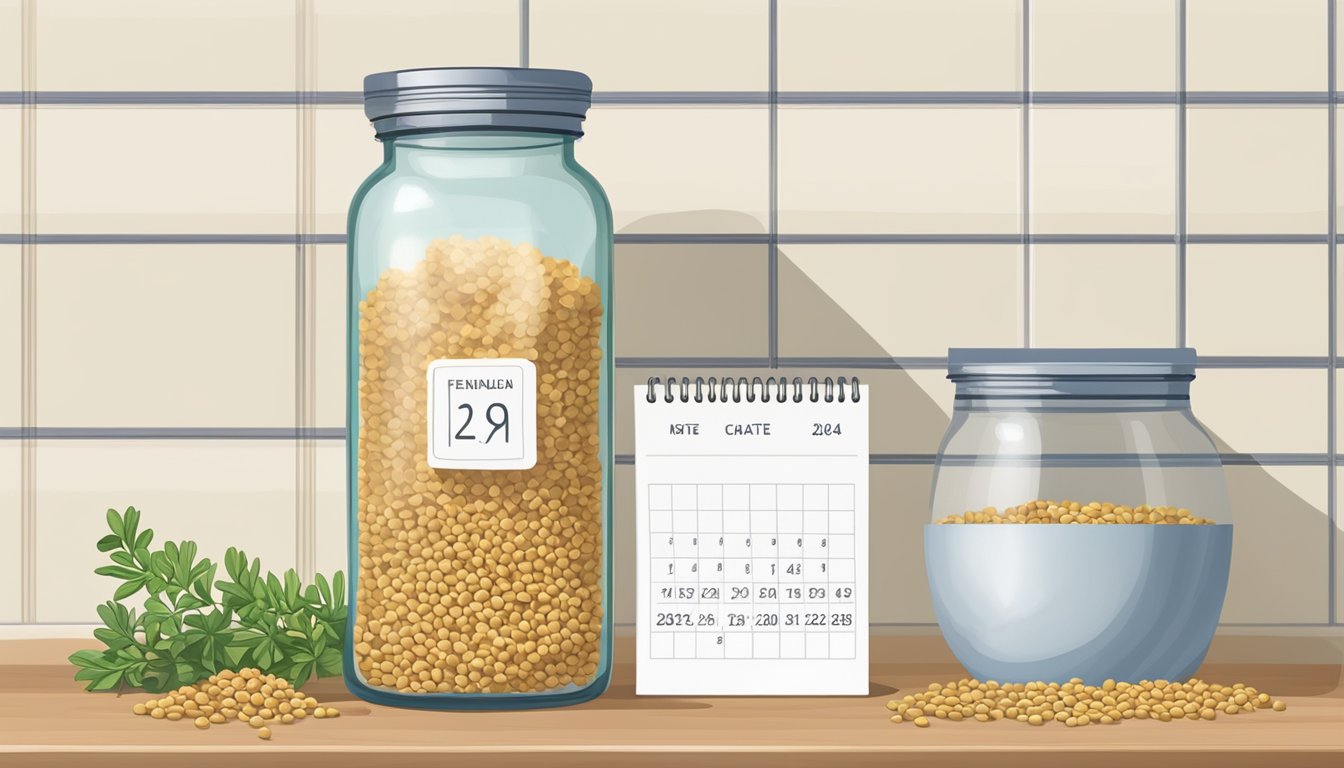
{"points": [[47, 720]]}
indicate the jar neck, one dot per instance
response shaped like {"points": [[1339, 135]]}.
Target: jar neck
{"points": [[471, 153]]}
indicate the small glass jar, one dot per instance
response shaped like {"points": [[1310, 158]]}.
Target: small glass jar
{"points": [[1032, 583], [480, 411]]}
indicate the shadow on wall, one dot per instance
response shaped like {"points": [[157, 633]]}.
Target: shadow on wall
{"points": [[1280, 571]]}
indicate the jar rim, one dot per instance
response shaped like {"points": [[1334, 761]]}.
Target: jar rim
{"points": [[477, 98], [1151, 364]]}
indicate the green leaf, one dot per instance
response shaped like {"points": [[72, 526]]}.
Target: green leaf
{"points": [[145, 538], [127, 589], [117, 571], [109, 543], [114, 522], [132, 522]]}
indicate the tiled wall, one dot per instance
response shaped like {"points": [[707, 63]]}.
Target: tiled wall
{"points": [[845, 186]]}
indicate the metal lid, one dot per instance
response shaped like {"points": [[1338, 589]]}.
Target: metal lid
{"points": [[476, 98], [1169, 363]]}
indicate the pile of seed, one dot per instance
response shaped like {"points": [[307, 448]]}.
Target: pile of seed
{"points": [[479, 581], [249, 695], [1075, 704], [1076, 513]]}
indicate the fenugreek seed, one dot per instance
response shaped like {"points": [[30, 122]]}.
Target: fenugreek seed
{"points": [[474, 581], [202, 722], [139, 709], [264, 733], [256, 721], [922, 722]]}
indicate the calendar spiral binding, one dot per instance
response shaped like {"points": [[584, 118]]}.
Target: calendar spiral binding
{"points": [[718, 388]]}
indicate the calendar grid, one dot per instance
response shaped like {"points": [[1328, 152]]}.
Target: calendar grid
{"points": [[749, 571]]}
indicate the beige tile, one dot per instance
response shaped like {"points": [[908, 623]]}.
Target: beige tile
{"points": [[218, 494], [1338, 533], [899, 170], [879, 300], [909, 45], [166, 45], [11, 170], [330, 336], [1076, 289], [1257, 170], [1257, 299], [627, 46], [920, 401], [681, 169], [332, 528], [11, 534], [356, 38], [1247, 45], [623, 594], [1279, 517], [11, 45], [692, 300], [11, 337], [346, 155], [1262, 411], [1103, 169], [166, 169], [1103, 45], [165, 335], [898, 510]]}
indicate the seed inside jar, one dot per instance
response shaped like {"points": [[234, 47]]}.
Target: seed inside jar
{"points": [[1074, 704], [219, 698], [479, 581], [1077, 513]]}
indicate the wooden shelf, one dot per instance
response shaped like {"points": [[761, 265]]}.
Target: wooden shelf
{"points": [[45, 719]]}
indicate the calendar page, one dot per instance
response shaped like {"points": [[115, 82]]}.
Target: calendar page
{"points": [[752, 546]]}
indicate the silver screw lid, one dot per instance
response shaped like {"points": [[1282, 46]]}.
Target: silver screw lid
{"points": [[477, 98]]}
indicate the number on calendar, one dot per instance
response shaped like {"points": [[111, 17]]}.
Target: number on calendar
{"points": [[842, 619], [709, 593], [705, 620], [793, 593], [794, 569], [810, 620], [768, 593], [767, 620], [673, 620], [790, 619], [740, 593], [816, 593], [737, 620], [685, 593], [844, 593]]}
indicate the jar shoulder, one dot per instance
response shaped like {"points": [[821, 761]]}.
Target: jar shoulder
{"points": [[989, 432]]}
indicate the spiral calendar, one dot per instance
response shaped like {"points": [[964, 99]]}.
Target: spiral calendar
{"points": [[752, 531]]}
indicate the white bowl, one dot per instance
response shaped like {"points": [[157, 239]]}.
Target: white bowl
{"points": [[1018, 603]]}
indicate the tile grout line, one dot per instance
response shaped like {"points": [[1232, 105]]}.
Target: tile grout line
{"points": [[524, 33], [698, 238], [772, 253], [28, 321], [1332, 333], [304, 287], [1182, 236], [1027, 297]]}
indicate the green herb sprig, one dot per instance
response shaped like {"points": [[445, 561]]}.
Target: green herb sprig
{"points": [[186, 632]]}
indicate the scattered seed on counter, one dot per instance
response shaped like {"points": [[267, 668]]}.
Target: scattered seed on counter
{"points": [[1075, 704], [1076, 513], [475, 581], [248, 695]]}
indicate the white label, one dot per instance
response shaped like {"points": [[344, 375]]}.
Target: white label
{"points": [[482, 414]]}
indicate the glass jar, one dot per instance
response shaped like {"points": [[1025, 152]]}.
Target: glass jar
{"points": [[1032, 583], [480, 412]]}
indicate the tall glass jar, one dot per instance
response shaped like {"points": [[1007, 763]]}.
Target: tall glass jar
{"points": [[1032, 581], [480, 410]]}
